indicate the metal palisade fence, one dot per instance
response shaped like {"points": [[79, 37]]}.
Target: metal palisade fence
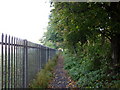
{"points": [[20, 60]]}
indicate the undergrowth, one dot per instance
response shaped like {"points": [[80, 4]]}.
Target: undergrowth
{"points": [[45, 75], [90, 68]]}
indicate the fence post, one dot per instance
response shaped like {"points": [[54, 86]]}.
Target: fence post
{"points": [[25, 65], [26, 53]]}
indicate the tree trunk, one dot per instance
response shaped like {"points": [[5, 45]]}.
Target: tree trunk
{"points": [[114, 10], [115, 46]]}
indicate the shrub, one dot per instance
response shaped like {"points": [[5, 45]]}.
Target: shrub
{"points": [[91, 68], [45, 75]]}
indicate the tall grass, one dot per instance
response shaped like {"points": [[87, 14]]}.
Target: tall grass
{"points": [[45, 75]]}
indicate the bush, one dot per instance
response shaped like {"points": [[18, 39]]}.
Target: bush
{"points": [[45, 75], [91, 68]]}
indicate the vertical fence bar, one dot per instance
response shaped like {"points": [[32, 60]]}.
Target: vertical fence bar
{"points": [[2, 54], [6, 62], [35, 54], [40, 56], [15, 61], [16, 77], [36, 58], [43, 56], [24, 64], [46, 53], [34, 61], [14, 65], [12, 71], [9, 63], [37, 61], [26, 49], [50, 53], [20, 64]]}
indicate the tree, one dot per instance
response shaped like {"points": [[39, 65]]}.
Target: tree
{"points": [[76, 22]]}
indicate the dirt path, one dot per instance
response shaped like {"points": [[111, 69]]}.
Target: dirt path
{"points": [[61, 79]]}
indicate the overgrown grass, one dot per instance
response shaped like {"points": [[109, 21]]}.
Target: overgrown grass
{"points": [[45, 74]]}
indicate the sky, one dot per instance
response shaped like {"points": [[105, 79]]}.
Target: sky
{"points": [[26, 19]]}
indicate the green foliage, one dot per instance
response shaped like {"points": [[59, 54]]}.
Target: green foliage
{"points": [[91, 68], [98, 79], [45, 75], [73, 22], [86, 31], [42, 79]]}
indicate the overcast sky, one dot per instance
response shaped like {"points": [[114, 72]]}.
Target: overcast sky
{"points": [[26, 19]]}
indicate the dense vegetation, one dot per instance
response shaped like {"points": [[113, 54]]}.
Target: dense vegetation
{"points": [[89, 34], [45, 75]]}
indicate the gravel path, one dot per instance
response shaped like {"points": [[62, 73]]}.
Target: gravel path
{"points": [[61, 79]]}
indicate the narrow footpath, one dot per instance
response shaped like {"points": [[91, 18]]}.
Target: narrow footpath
{"points": [[61, 78]]}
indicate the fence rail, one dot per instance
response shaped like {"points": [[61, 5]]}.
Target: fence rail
{"points": [[20, 60]]}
